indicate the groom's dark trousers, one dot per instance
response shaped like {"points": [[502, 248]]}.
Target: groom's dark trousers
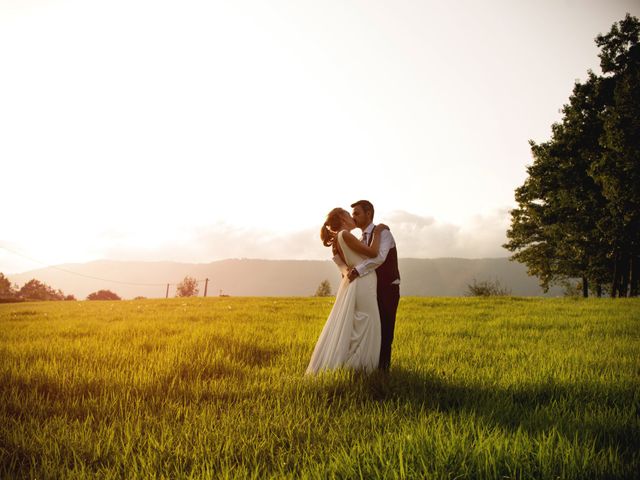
{"points": [[388, 299]]}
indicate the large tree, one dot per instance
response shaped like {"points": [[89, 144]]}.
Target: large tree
{"points": [[617, 170], [577, 213], [554, 229]]}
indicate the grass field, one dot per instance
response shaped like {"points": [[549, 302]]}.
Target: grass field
{"points": [[215, 388]]}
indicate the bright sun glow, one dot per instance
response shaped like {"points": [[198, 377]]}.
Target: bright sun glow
{"points": [[203, 130]]}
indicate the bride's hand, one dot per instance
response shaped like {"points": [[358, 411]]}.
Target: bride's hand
{"points": [[380, 227]]}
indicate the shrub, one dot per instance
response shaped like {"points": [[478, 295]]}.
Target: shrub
{"points": [[103, 295], [487, 288], [187, 288], [324, 289]]}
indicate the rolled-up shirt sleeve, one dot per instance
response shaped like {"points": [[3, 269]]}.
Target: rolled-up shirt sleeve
{"points": [[370, 264]]}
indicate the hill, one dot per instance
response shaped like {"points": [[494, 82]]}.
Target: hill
{"points": [[252, 277]]}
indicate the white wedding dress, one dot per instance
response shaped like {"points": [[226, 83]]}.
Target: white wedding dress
{"points": [[351, 336]]}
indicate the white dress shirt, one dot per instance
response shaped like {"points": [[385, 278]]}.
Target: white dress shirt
{"points": [[387, 242]]}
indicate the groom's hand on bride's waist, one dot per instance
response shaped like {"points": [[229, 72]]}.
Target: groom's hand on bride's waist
{"points": [[353, 274]]}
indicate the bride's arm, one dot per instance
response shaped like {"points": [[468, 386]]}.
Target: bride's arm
{"points": [[342, 266], [338, 257], [358, 246]]}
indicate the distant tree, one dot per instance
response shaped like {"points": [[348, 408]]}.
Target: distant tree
{"points": [[70, 298], [324, 289], [6, 290], [38, 291], [103, 295], [187, 288], [140, 298], [487, 288]]}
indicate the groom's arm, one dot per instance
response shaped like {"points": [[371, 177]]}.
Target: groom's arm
{"points": [[370, 264]]}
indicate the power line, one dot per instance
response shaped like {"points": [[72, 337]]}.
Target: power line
{"points": [[91, 276]]}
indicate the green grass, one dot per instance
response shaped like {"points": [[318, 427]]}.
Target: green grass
{"points": [[215, 388]]}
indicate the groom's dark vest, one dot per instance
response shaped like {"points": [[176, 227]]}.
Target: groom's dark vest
{"points": [[388, 271]]}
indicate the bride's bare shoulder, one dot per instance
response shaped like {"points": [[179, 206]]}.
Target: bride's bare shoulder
{"points": [[348, 237]]}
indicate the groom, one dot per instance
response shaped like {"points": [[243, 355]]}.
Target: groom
{"points": [[386, 268]]}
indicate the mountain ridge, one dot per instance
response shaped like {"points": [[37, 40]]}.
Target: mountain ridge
{"points": [[447, 276]]}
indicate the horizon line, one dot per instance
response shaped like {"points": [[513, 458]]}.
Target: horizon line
{"points": [[106, 260]]}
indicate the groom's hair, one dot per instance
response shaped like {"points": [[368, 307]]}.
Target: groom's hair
{"points": [[366, 205]]}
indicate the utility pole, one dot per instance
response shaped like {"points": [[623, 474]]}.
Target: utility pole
{"points": [[167, 295], [206, 284]]}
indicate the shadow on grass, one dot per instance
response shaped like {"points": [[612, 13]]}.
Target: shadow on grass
{"points": [[605, 415]]}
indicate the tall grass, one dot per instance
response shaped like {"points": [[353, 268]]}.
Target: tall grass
{"points": [[479, 388]]}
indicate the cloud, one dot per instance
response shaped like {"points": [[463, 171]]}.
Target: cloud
{"points": [[227, 241], [425, 237], [416, 236], [221, 241], [406, 219]]}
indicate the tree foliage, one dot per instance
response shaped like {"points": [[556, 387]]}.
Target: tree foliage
{"points": [[187, 288], [39, 291], [578, 213], [33, 290], [324, 289], [6, 289], [103, 295]]}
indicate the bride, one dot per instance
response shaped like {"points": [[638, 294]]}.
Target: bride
{"points": [[351, 336]]}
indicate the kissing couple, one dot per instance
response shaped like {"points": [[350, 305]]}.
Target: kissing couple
{"points": [[359, 331]]}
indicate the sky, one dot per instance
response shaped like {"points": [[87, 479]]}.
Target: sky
{"points": [[196, 131]]}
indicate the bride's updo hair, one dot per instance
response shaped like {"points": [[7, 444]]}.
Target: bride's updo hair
{"points": [[332, 226]]}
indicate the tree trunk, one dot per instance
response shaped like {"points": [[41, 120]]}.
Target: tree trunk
{"points": [[585, 287], [635, 272], [624, 275], [616, 275], [599, 291]]}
